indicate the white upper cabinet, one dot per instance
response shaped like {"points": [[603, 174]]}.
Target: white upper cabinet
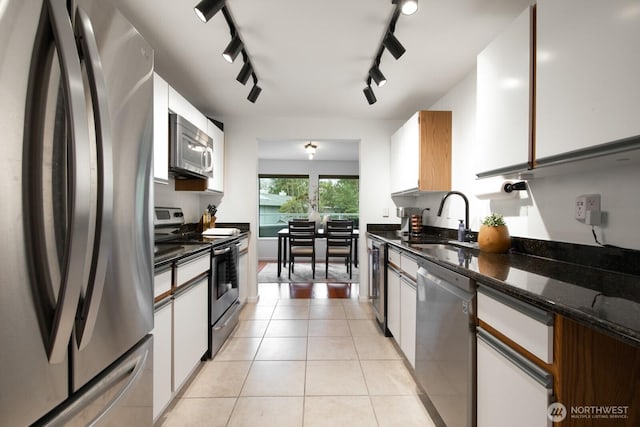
{"points": [[160, 129], [420, 156], [504, 100], [405, 144], [588, 68], [217, 182], [179, 105]]}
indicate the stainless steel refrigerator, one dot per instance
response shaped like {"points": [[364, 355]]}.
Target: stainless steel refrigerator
{"points": [[76, 297]]}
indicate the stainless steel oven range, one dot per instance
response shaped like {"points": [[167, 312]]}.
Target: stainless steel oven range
{"points": [[224, 306]]}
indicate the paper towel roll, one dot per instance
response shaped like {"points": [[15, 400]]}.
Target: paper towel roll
{"points": [[493, 188]]}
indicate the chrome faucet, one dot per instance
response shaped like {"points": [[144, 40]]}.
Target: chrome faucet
{"points": [[466, 211]]}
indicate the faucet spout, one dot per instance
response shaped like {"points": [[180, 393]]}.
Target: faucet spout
{"points": [[466, 207]]}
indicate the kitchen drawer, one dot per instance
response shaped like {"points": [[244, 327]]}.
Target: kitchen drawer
{"points": [[394, 257], [193, 268], [409, 266], [526, 325], [161, 283]]}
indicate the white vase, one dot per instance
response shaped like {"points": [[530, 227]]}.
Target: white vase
{"points": [[315, 217]]}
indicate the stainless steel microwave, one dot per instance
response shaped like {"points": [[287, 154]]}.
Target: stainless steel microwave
{"points": [[190, 149]]}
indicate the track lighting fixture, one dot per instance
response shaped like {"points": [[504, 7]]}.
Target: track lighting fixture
{"points": [[393, 45], [377, 76], [245, 73], [206, 9], [390, 43], [408, 7], [255, 92], [368, 93], [233, 49]]}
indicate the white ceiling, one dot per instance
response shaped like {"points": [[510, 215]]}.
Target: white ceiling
{"points": [[312, 56]]}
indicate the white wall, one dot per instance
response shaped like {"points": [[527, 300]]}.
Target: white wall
{"points": [[240, 202], [268, 247], [547, 211]]}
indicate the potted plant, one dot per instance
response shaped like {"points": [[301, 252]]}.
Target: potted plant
{"points": [[493, 235]]}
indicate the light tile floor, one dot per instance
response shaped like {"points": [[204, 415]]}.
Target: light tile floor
{"points": [[302, 362]]}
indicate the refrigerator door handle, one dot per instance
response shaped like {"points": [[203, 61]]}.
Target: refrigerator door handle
{"points": [[58, 332], [90, 304]]}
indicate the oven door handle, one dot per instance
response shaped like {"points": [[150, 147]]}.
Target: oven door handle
{"points": [[218, 252]]}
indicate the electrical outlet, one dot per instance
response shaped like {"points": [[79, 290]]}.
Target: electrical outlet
{"points": [[588, 203]]}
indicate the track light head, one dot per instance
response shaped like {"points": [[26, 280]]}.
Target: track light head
{"points": [[245, 73], [233, 49], [408, 7], [368, 93], [254, 93], [377, 76], [206, 9], [393, 45]]}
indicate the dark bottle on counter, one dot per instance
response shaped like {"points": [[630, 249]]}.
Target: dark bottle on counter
{"points": [[461, 231]]}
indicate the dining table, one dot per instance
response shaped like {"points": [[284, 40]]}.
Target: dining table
{"points": [[283, 238]]}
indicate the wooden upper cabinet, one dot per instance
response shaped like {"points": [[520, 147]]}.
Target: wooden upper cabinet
{"points": [[504, 115], [588, 90], [421, 154]]}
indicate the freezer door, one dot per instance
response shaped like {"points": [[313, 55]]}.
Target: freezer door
{"points": [[124, 314], [120, 396]]}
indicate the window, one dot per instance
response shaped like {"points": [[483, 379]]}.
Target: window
{"points": [[339, 197], [282, 198]]}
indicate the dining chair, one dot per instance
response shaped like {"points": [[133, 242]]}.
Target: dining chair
{"points": [[302, 243], [339, 235]]}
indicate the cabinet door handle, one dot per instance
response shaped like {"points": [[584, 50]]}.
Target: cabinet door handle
{"points": [[536, 373]]}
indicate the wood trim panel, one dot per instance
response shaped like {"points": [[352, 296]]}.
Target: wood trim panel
{"points": [[435, 151], [596, 370], [191, 184]]}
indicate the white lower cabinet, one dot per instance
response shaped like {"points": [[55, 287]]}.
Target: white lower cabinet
{"points": [[408, 320], [162, 358], [393, 303], [189, 330], [510, 390]]}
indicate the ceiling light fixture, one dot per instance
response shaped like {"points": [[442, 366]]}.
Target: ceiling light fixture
{"points": [[377, 76], [310, 148], [393, 45], [255, 90], [233, 49], [390, 43], [408, 7], [368, 93], [206, 9], [245, 73]]}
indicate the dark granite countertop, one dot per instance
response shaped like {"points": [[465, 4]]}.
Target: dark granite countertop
{"points": [[603, 299], [181, 247]]}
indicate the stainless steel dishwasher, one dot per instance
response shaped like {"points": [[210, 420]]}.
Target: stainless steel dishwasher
{"points": [[446, 344]]}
